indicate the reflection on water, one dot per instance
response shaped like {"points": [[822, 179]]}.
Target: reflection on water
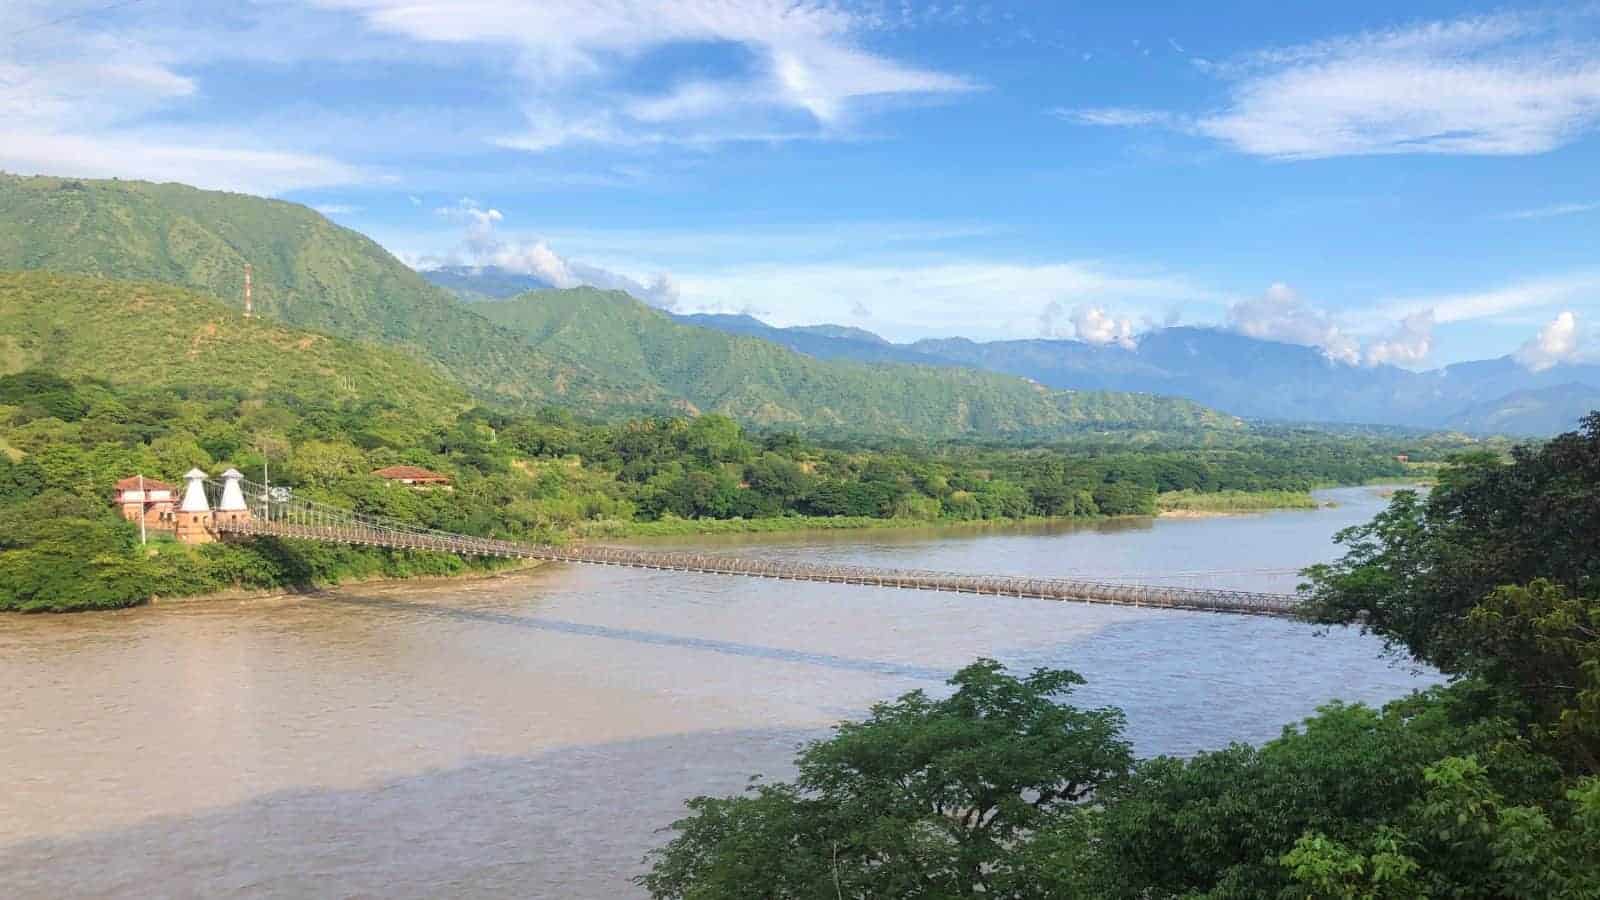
{"points": [[528, 734]]}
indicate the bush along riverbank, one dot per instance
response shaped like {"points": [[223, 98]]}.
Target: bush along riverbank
{"points": [[1221, 503]]}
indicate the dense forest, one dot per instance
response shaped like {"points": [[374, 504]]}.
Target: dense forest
{"points": [[539, 477], [1486, 787]]}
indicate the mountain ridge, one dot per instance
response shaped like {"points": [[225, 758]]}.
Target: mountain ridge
{"points": [[310, 273], [1226, 371], [760, 381]]}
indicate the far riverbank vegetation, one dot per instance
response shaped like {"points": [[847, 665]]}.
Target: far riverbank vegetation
{"points": [[552, 477]]}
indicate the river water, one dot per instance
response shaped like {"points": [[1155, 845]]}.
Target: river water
{"points": [[529, 735]]}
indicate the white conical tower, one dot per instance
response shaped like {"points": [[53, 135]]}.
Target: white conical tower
{"points": [[232, 511], [194, 513], [232, 494], [194, 493]]}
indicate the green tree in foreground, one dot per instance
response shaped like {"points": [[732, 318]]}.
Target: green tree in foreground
{"points": [[925, 798], [1001, 792], [1495, 575], [1486, 788]]}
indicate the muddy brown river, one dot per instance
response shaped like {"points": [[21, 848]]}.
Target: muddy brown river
{"points": [[529, 735]]}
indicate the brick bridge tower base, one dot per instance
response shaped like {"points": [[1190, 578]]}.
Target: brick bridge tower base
{"points": [[194, 517]]}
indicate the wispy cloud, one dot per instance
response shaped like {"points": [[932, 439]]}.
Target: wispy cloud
{"points": [[1114, 116], [79, 97], [1518, 296], [1551, 212], [1495, 85], [802, 73]]}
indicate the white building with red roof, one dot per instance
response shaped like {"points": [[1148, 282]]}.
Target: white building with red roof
{"points": [[155, 500]]}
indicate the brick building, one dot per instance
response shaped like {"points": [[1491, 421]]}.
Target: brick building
{"points": [[155, 500]]}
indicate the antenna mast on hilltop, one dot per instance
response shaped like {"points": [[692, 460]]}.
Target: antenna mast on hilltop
{"points": [[249, 307]]}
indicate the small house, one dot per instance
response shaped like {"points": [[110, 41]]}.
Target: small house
{"points": [[414, 477], [153, 500]]}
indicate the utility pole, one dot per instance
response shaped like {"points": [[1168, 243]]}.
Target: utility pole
{"points": [[249, 305]]}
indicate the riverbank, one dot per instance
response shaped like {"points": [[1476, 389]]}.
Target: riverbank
{"points": [[506, 569], [190, 571], [1194, 505], [675, 527], [1174, 504]]}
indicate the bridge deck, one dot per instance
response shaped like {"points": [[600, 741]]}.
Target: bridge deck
{"points": [[1241, 602]]}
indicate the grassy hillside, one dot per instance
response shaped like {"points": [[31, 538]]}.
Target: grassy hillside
{"points": [[602, 353], [140, 334], [760, 382], [308, 272]]}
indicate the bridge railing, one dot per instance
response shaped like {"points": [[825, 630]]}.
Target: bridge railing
{"points": [[278, 513]]}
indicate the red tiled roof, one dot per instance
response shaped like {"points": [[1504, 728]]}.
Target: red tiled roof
{"points": [[410, 473], [150, 484]]}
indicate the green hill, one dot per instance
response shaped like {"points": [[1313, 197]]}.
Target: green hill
{"points": [[308, 272], [760, 382], [144, 335], [602, 353]]}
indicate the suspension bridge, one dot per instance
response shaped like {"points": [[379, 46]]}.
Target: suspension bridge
{"points": [[235, 508]]}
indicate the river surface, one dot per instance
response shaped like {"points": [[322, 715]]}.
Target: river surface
{"points": [[528, 735]]}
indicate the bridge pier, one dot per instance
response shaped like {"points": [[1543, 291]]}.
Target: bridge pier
{"points": [[194, 522], [231, 510]]}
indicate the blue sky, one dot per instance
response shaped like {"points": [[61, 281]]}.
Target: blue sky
{"points": [[1415, 187]]}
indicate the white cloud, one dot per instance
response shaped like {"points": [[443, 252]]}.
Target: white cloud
{"points": [[168, 157], [806, 75], [1408, 345], [77, 100], [1551, 212], [482, 245], [1522, 295], [1092, 325], [1496, 85], [1281, 314], [334, 209], [1115, 116], [1556, 343]]}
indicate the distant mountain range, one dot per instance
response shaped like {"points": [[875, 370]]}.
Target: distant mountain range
{"points": [[474, 283], [764, 382], [606, 354], [602, 353], [1242, 375]]}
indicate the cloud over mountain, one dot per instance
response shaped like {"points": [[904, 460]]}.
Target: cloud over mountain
{"points": [[1409, 344], [481, 245], [1281, 314], [1556, 343]]}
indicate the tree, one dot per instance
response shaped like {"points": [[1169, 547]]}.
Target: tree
{"points": [[1544, 644], [925, 798], [1493, 575]]}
